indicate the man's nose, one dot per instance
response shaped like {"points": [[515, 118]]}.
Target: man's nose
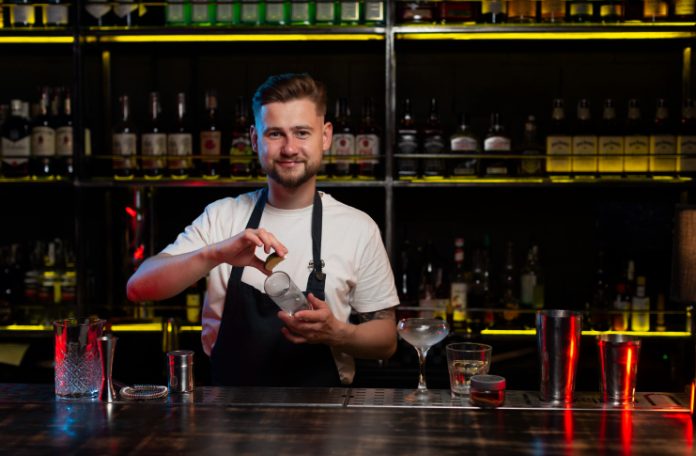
{"points": [[291, 146]]}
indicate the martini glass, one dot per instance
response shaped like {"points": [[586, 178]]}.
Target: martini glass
{"points": [[422, 333]]}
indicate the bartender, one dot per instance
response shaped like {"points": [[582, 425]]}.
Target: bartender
{"points": [[332, 250]]}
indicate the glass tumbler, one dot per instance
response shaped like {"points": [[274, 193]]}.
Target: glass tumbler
{"points": [[78, 369], [283, 291]]}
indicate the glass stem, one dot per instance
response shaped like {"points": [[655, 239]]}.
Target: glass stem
{"points": [[422, 353]]}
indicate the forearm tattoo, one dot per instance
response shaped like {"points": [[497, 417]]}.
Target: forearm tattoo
{"points": [[386, 314]]}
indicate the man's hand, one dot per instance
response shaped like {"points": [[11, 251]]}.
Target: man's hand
{"points": [[240, 249], [316, 326]]}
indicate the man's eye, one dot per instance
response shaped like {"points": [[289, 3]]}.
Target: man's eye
{"points": [[274, 134], [302, 134]]}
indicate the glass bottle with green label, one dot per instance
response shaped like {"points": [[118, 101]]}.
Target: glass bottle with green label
{"points": [[374, 12], [302, 12], [326, 12], [277, 12], [226, 14], [350, 12], [203, 12], [178, 12], [251, 12]]}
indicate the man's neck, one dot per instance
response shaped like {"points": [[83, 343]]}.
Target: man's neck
{"points": [[291, 198]]}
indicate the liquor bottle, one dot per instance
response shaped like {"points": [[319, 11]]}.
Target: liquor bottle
{"points": [[350, 12], [226, 13], [553, 11], [374, 12], [584, 159], [241, 154], [326, 12], [655, 10], [640, 307], [16, 143], [408, 276], [64, 139], [416, 12], [528, 280], [178, 13], [342, 155], [56, 13], [22, 13], [610, 143], [497, 143], [124, 144], [521, 11], [277, 12], [580, 10], [621, 308], [367, 142], [493, 11], [433, 143], [683, 11], [180, 142], [464, 141], [509, 300], [458, 288], [154, 141], [43, 140], [611, 11], [407, 143], [459, 12], [598, 315], [559, 142], [663, 142], [531, 163], [203, 13], [478, 299], [210, 139], [636, 141], [429, 280], [686, 140], [99, 13], [302, 12], [252, 12], [126, 13]]}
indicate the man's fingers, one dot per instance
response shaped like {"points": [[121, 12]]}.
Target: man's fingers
{"points": [[295, 339]]}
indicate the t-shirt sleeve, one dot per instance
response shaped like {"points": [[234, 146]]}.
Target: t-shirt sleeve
{"points": [[374, 289], [195, 236]]}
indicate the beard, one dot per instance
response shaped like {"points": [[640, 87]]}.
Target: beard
{"points": [[292, 180]]}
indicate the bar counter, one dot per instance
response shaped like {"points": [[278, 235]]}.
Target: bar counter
{"points": [[219, 420]]}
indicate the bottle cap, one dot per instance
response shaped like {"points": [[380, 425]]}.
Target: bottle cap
{"points": [[487, 382]]}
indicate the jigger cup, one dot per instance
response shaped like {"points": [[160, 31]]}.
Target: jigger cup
{"points": [[107, 347], [558, 339]]}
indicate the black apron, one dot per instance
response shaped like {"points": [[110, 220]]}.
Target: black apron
{"points": [[250, 350]]}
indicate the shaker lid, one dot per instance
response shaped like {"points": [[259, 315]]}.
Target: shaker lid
{"points": [[487, 382]]}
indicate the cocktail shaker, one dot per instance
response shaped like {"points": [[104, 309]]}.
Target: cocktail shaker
{"points": [[180, 371]]}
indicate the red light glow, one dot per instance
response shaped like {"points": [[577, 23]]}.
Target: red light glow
{"points": [[572, 354], [131, 212], [139, 253]]}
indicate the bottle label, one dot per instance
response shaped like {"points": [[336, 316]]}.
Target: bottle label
{"points": [[367, 148], [175, 13], [374, 11], [200, 12], [13, 151], [350, 11], [325, 12], [241, 145], [621, 319], [611, 10], [43, 141], [493, 7], [407, 143], [581, 8], [23, 14], [210, 145], [179, 145], [56, 14], [584, 154], [342, 147], [686, 148], [275, 13], [124, 147], [225, 12], [64, 141], [464, 144], [663, 145], [558, 150], [496, 144], [250, 13], [97, 8], [154, 145], [684, 8], [124, 7], [527, 284], [299, 12], [611, 150], [458, 291]]}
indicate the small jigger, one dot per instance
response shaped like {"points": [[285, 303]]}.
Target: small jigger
{"points": [[107, 346]]}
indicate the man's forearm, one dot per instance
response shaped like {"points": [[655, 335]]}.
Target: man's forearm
{"points": [[373, 339]]}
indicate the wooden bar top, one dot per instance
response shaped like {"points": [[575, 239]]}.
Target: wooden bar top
{"points": [[337, 421]]}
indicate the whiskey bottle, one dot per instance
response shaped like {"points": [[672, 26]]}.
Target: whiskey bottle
{"points": [[559, 142], [636, 141], [655, 10], [407, 143], [433, 143], [509, 300], [22, 13], [686, 140], [663, 142], [241, 154], [99, 13], [580, 10], [180, 142], [521, 11], [610, 143], [497, 143], [621, 316], [599, 316], [154, 141], [553, 11], [367, 142], [493, 11], [326, 12], [124, 143], [16, 143], [478, 299], [532, 281], [531, 161], [64, 139], [584, 160], [464, 141], [342, 155], [350, 12], [459, 12], [210, 139], [458, 288], [302, 12], [43, 140], [252, 12], [640, 307], [611, 11]]}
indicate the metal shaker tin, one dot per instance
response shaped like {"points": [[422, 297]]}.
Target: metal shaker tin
{"points": [[180, 371]]}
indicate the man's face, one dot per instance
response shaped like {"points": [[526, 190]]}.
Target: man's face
{"points": [[290, 139]]}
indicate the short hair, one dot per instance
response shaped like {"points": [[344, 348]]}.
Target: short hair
{"points": [[287, 87]]}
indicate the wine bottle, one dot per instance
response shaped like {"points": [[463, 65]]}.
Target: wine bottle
{"points": [[367, 142], [241, 153], [433, 143], [407, 143], [496, 143], [64, 138], [43, 140], [16, 143], [342, 155], [124, 144], [584, 160], [464, 141], [210, 139], [154, 141], [180, 142]]}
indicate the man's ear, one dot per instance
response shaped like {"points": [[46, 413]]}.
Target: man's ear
{"points": [[327, 135]]}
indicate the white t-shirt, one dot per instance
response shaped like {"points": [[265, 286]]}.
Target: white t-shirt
{"points": [[358, 273]]}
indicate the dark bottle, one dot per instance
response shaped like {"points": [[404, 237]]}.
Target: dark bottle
{"points": [[342, 154], [126, 13], [241, 154], [479, 314], [493, 11], [580, 10], [459, 12], [464, 141], [663, 141], [180, 142], [636, 141], [43, 139], [496, 144], [611, 11], [559, 142], [509, 300], [584, 160], [210, 139], [458, 288], [16, 142], [124, 144], [367, 142], [531, 161], [600, 302], [407, 143], [610, 144], [433, 143], [416, 12], [64, 139], [99, 13], [686, 140], [154, 141], [408, 274]]}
